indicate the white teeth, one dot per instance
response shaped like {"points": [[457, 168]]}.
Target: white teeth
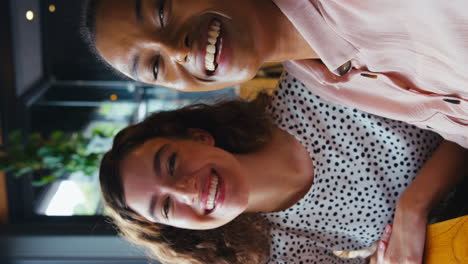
{"points": [[209, 61], [210, 67], [211, 49], [212, 41], [212, 195], [213, 35], [209, 57]]}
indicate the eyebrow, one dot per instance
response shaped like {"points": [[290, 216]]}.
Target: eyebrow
{"points": [[157, 159], [139, 21], [157, 170], [152, 205], [138, 13]]}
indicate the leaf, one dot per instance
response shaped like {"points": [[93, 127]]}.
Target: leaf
{"points": [[23, 171], [43, 181], [104, 132], [31, 146], [79, 137], [100, 133], [59, 173], [89, 171], [15, 137], [45, 151], [60, 153], [35, 137], [52, 161], [56, 136]]}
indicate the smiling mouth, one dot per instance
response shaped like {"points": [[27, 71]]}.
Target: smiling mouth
{"points": [[212, 193], [214, 45]]}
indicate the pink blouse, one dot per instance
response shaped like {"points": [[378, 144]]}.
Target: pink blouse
{"points": [[401, 59]]}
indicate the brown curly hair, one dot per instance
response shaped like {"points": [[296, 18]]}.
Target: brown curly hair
{"points": [[237, 127]]}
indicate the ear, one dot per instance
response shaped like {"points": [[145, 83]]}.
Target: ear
{"points": [[201, 136]]}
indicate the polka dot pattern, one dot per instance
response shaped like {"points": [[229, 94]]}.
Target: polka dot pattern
{"points": [[362, 164]]}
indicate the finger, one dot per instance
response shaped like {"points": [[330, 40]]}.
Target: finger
{"points": [[381, 251], [383, 243], [387, 233]]}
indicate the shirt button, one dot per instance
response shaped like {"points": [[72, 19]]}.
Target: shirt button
{"points": [[372, 76], [452, 101], [344, 69]]}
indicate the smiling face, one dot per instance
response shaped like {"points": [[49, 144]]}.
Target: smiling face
{"points": [[189, 45], [184, 183]]}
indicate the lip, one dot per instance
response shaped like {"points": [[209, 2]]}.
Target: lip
{"points": [[220, 194], [224, 53]]}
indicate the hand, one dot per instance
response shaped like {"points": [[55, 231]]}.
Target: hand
{"points": [[381, 248], [375, 251], [406, 243]]}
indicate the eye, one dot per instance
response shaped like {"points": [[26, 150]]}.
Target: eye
{"points": [[166, 207], [156, 68], [171, 163], [161, 12]]}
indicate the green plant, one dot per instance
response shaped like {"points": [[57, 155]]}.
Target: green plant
{"points": [[48, 159]]}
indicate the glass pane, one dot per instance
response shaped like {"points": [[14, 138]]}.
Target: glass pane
{"points": [[71, 197], [79, 194]]}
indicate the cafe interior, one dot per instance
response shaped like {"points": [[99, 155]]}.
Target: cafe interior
{"points": [[54, 91]]}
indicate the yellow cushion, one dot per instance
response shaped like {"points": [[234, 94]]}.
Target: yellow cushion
{"points": [[447, 242]]}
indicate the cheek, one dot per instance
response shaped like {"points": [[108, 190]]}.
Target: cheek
{"points": [[138, 204], [234, 182], [117, 57], [186, 217]]}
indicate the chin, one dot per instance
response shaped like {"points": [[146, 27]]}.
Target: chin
{"points": [[246, 75]]}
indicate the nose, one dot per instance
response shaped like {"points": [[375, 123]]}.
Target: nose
{"points": [[178, 50], [185, 191]]}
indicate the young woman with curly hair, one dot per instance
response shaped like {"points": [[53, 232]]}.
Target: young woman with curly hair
{"points": [[288, 181]]}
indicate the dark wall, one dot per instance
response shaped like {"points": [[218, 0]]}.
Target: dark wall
{"points": [[26, 39]]}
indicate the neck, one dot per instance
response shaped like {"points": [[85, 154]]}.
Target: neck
{"points": [[278, 175], [285, 41]]}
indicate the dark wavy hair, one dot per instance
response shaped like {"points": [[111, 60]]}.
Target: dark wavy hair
{"points": [[237, 127], [88, 25]]}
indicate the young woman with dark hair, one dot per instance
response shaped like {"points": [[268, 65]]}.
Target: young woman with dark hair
{"points": [[380, 58]]}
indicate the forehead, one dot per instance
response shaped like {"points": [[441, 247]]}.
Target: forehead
{"points": [[142, 152], [142, 156], [116, 30], [137, 170], [111, 15]]}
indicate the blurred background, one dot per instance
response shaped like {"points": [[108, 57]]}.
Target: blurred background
{"points": [[60, 108]]}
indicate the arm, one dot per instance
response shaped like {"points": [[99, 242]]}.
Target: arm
{"points": [[441, 172]]}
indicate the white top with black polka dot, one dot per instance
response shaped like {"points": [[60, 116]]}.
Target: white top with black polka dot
{"points": [[362, 164]]}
